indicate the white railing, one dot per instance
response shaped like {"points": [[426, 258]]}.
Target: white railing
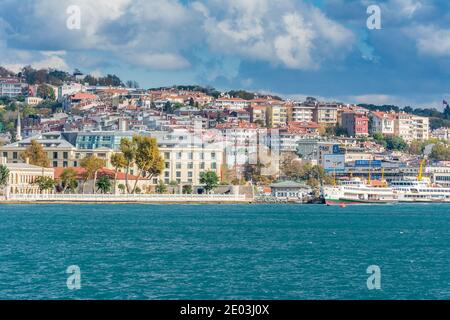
{"points": [[150, 198]]}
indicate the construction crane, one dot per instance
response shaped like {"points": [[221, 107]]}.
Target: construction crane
{"points": [[420, 174]]}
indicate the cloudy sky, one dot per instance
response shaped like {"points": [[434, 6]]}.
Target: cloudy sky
{"points": [[292, 48]]}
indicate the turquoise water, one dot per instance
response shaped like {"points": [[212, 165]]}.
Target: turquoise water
{"points": [[224, 252]]}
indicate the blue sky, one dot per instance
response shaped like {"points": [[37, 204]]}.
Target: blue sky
{"points": [[294, 48]]}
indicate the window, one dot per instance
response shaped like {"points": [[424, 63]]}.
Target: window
{"points": [[202, 166], [166, 155], [167, 165], [55, 164], [178, 155], [190, 165], [178, 166], [191, 155], [213, 166], [213, 155], [65, 155], [14, 155], [166, 174], [178, 174], [190, 174], [5, 154], [65, 164], [75, 164]]}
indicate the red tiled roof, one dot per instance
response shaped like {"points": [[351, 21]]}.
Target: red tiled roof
{"points": [[83, 96]]}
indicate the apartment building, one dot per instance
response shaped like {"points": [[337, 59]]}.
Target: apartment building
{"points": [[421, 127], [11, 87], [302, 112], [326, 114], [383, 122], [277, 115], [356, 124]]}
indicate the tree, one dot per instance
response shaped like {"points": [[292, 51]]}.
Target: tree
{"points": [[209, 179], [440, 152], [128, 149], [4, 175], [45, 183], [187, 189], [161, 188], [395, 143], [92, 165], [147, 158], [104, 184], [121, 187], [46, 92], [36, 155], [69, 180], [118, 161], [447, 112]]}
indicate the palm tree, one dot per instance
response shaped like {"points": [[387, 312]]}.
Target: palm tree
{"points": [[104, 184], [119, 162]]}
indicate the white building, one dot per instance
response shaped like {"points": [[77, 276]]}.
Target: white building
{"points": [[22, 177], [302, 112], [69, 89], [232, 103], [383, 122]]}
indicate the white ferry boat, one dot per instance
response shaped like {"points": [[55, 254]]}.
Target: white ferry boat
{"points": [[420, 190], [356, 191]]}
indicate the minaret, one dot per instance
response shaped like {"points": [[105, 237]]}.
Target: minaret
{"points": [[19, 126]]}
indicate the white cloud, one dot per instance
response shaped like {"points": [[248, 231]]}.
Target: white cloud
{"points": [[432, 40], [158, 61], [284, 32]]}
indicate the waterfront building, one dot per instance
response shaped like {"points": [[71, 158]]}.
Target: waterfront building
{"points": [[61, 153], [289, 190], [22, 177]]}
